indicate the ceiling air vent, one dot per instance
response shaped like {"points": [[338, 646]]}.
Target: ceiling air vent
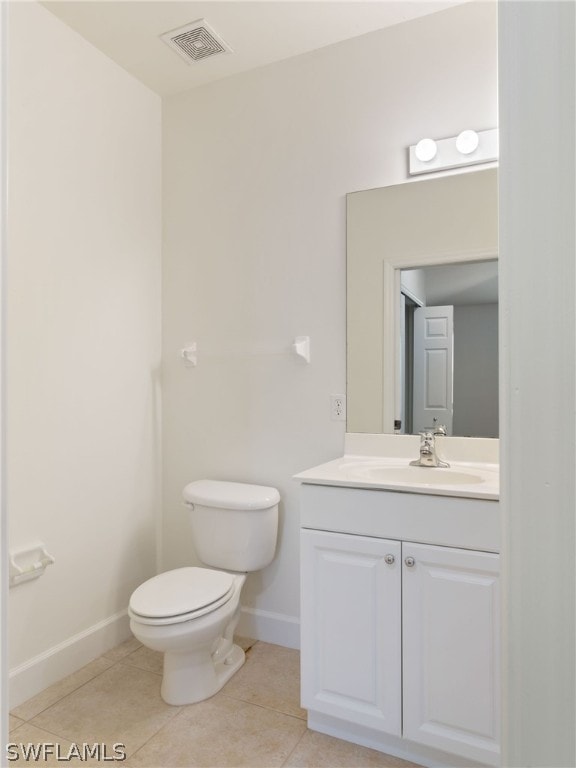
{"points": [[195, 42]]}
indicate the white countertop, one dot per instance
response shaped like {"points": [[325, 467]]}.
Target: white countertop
{"points": [[385, 464]]}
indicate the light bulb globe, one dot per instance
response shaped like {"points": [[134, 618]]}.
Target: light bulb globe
{"points": [[426, 150], [467, 142]]}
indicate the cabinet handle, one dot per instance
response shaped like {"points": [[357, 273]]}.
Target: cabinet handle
{"points": [[410, 562], [390, 559]]}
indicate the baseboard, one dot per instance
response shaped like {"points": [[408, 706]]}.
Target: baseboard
{"points": [[270, 627], [61, 660]]}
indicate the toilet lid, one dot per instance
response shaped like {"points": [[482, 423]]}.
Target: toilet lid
{"points": [[181, 591]]}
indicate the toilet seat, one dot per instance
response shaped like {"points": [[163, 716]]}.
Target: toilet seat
{"points": [[180, 595]]}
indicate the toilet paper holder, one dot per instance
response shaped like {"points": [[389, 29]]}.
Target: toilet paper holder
{"points": [[29, 563]]}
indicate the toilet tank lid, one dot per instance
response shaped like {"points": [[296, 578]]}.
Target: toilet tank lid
{"points": [[222, 493]]}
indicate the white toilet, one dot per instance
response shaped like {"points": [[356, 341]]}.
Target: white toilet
{"points": [[190, 614]]}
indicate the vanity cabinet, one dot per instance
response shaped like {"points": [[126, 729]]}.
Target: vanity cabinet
{"points": [[399, 639]]}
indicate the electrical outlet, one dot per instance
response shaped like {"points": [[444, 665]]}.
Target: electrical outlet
{"points": [[338, 407]]}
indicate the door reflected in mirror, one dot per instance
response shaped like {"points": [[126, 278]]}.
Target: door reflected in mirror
{"points": [[429, 245], [449, 349]]}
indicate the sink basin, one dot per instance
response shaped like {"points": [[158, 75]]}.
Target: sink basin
{"points": [[411, 475], [478, 480]]}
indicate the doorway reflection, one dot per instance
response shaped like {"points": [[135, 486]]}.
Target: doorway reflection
{"points": [[448, 353]]}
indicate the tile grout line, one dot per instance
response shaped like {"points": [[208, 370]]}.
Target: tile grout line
{"points": [[124, 663], [262, 706], [74, 690], [46, 730], [154, 735], [295, 746], [60, 698]]}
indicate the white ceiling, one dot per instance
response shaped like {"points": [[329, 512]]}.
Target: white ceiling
{"points": [[259, 32], [462, 284]]}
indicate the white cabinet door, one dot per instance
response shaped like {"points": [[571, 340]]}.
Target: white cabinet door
{"points": [[433, 368], [351, 628], [451, 650]]}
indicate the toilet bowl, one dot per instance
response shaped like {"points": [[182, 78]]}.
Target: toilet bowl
{"points": [[190, 614], [199, 655]]}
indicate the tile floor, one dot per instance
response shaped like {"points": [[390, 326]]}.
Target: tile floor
{"points": [[255, 720]]}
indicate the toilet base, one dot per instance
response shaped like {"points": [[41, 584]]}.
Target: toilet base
{"points": [[188, 679]]}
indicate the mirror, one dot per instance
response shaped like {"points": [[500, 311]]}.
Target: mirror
{"points": [[440, 234]]}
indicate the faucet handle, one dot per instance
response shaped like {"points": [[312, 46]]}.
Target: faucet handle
{"points": [[439, 430]]}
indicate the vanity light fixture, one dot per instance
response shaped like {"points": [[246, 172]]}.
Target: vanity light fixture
{"points": [[468, 148]]}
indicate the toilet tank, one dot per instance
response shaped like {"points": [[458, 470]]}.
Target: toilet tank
{"points": [[234, 525]]}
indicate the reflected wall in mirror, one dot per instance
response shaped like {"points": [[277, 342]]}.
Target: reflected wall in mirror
{"points": [[428, 243]]}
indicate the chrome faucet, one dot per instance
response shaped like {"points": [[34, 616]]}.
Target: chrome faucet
{"points": [[438, 429], [428, 457]]}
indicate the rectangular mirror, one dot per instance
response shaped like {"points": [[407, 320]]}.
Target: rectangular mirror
{"points": [[422, 264]]}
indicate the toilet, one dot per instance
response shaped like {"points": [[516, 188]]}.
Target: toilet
{"points": [[190, 614]]}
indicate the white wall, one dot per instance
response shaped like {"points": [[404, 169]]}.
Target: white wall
{"points": [[538, 381], [83, 341], [476, 370], [256, 172]]}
